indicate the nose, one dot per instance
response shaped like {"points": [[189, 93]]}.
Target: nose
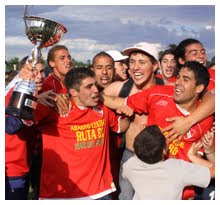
{"points": [[134, 66], [95, 89], [178, 81], [125, 66], [169, 64], [104, 70], [201, 55]]}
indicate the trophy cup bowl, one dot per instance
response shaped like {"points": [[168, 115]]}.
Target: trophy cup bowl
{"points": [[42, 33]]}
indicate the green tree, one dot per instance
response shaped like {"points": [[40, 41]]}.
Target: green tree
{"points": [[11, 63]]}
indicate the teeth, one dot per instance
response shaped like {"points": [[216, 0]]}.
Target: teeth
{"points": [[177, 89], [138, 74]]}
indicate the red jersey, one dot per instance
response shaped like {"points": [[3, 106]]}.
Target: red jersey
{"points": [[53, 83], [76, 152], [172, 79], [211, 86], [158, 102], [18, 148]]}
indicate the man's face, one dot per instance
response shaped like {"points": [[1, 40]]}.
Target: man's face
{"points": [[121, 70], [195, 52], [88, 94], [39, 75], [168, 65], [141, 69], [104, 71], [185, 87], [61, 62]]}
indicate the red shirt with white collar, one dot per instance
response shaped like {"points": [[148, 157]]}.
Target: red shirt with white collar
{"points": [[76, 152], [171, 80], [53, 83], [158, 102]]}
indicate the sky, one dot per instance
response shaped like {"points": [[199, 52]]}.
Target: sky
{"points": [[102, 26], [96, 28]]}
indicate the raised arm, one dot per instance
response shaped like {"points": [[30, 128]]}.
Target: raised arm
{"points": [[192, 155], [181, 125], [112, 101], [125, 112]]}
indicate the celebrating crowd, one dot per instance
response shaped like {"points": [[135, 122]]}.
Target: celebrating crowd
{"points": [[138, 124]]}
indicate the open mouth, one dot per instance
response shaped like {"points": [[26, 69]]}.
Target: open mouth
{"points": [[138, 75], [105, 80], [95, 98]]}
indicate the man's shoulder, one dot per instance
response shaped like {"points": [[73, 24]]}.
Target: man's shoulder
{"points": [[114, 88], [161, 90]]}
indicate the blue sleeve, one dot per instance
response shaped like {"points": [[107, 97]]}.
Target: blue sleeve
{"points": [[12, 124]]}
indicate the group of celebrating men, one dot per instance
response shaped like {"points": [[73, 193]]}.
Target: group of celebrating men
{"points": [[117, 130]]}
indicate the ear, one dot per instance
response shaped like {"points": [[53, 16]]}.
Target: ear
{"points": [[73, 92], [199, 88], [51, 64], [165, 151], [155, 66], [181, 61], [159, 65]]}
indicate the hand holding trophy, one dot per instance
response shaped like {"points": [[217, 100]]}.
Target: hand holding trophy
{"points": [[42, 33]]}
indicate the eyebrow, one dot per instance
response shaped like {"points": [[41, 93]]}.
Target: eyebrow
{"points": [[184, 76], [196, 50]]}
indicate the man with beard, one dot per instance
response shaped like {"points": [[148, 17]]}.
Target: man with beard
{"points": [[161, 102]]}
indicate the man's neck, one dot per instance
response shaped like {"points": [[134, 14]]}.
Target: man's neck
{"points": [[189, 106], [59, 77], [148, 84]]}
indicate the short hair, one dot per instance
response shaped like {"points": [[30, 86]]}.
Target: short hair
{"points": [[201, 73], [24, 60], [149, 145], [102, 54], [152, 59], [51, 53], [167, 51], [75, 76], [181, 48]]}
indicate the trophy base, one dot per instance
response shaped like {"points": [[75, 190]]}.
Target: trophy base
{"points": [[21, 105], [20, 113]]}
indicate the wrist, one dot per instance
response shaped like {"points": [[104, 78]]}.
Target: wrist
{"points": [[191, 120], [209, 152]]}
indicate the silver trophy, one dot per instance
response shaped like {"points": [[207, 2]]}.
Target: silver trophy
{"points": [[42, 33]]}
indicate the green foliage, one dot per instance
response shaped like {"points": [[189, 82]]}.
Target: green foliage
{"points": [[9, 65]]}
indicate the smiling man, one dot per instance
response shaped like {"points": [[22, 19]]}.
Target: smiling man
{"points": [[161, 102], [76, 148], [143, 63], [193, 50]]}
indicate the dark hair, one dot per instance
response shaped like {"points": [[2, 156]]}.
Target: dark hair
{"points": [[200, 72], [149, 145], [152, 59], [181, 48], [24, 60], [170, 50], [102, 54], [50, 55], [75, 76]]}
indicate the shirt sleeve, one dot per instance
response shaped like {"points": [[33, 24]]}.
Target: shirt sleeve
{"points": [[41, 112], [194, 174], [114, 121], [139, 102]]}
